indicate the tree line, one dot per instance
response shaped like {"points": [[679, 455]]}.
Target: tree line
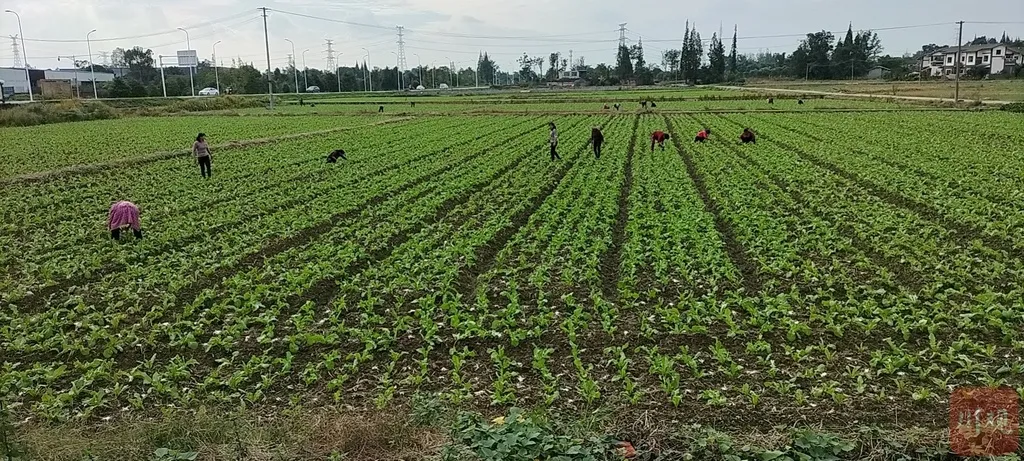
{"points": [[819, 56]]}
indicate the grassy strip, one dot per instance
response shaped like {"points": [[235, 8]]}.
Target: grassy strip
{"points": [[430, 429]]}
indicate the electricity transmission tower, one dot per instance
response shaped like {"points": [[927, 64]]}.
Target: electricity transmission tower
{"points": [[622, 35], [16, 51], [401, 49], [330, 56]]}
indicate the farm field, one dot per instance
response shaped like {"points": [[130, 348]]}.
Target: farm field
{"points": [[997, 90], [848, 270]]}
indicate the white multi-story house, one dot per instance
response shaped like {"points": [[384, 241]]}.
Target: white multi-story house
{"points": [[996, 57]]}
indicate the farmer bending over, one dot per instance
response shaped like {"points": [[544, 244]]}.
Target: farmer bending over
{"points": [[748, 137], [659, 137], [123, 214], [334, 156], [703, 135]]}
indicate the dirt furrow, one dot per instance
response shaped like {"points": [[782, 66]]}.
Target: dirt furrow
{"points": [[751, 276]]}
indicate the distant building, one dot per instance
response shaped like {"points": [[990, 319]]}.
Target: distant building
{"points": [[15, 77], [879, 72], [572, 78], [78, 76], [997, 58]]}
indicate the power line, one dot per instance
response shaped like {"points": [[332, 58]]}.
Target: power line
{"points": [[134, 37], [759, 37]]}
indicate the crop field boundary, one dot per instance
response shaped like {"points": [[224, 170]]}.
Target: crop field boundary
{"points": [[751, 278], [38, 298], [611, 260], [966, 232], [326, 290], [892, 265], [485, 256], [1001, 201], [150, 158]]}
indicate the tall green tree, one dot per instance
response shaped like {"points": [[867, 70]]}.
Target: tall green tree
{"points": [[716, 60], [732, 56], [670, 60], [844, 55], [553, 65], [693, 50], [140, 63], [642, 74], [812, 58], [487, 68], [624, 64]]}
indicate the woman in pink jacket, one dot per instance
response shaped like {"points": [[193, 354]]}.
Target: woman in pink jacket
{"points": [[124, 215]]}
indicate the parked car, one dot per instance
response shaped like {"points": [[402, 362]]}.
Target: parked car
{"points": [[313, 89], [208, 92]]}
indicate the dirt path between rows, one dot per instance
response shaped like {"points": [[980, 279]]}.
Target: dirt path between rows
{"points": [[102, 166]]}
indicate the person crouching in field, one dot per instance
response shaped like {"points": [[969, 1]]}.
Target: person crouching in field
{"points": [[703, 135], [203, 155], [334, 156], [747, 137], [123, 215], [659, 137]]}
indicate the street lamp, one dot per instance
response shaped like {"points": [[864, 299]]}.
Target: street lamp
{"points": [[191, 79], [398, 71], [337, 72], [78, 84], [369, 69], [295, 69], [451, 78], [305, 79], [24, 52], [419, 67], [92, 67], [216, 74]]}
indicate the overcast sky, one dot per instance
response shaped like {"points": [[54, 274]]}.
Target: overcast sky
{"points": [[437, 30]]}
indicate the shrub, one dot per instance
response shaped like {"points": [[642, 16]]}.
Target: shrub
{"points": [[55, 112], [1017, 107]]}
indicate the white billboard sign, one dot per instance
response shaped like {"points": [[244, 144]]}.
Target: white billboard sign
{"points": [[187, 58]]}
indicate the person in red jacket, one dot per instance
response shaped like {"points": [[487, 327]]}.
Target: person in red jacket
{"points": [[702, 135], [659, 137]]}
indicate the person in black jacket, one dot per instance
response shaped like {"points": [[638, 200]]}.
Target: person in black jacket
{"points": [[597, 138], [748, 137], [334, 156]]}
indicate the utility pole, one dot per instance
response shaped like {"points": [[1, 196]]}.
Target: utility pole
{"points": [[28, 78], [78, 83], [959, 55], [92, 67], [266, 39], [216, 74], [163, 82]]}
